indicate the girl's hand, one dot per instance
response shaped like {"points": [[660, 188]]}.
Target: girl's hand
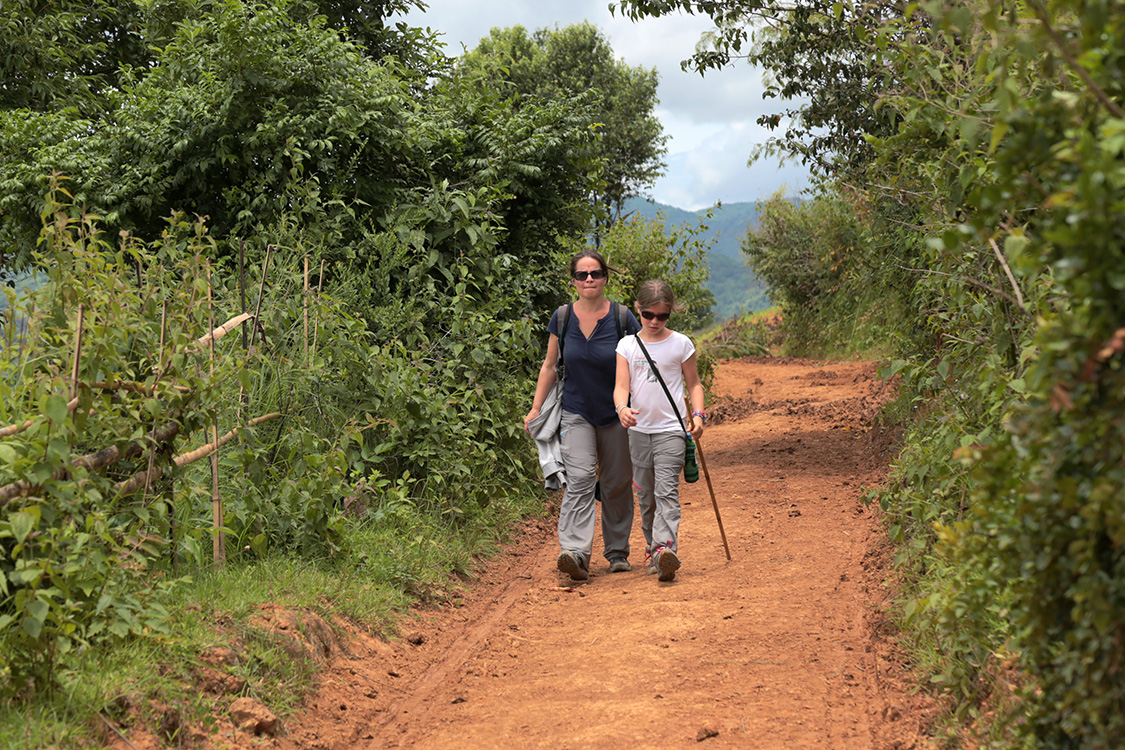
{"points": [[696, 427], [628, 416]]}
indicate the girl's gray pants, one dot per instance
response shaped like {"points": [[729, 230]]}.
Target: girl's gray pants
{"points": [[584, 449], [657, 462]]}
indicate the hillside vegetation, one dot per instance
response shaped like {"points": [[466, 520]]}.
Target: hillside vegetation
{"points": [[970, 230], [735, 287]]}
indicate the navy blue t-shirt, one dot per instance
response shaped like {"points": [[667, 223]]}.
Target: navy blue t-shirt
{"points": [[591, 365]]}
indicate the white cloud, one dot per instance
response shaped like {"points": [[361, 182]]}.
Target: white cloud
{"points": [[710, 119]]}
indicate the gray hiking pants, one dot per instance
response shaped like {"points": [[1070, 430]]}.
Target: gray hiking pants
{"points": [[584, 448], [657, 462]]}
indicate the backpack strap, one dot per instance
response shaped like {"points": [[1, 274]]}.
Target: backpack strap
{"points": [[621, 318], [563, 314]]}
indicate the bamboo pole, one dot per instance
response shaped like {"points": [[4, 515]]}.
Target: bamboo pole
{"points": [[136, 481], [77, 353], [242, 307], [27, 332], [242, 285], [15, 429], [223, 330], [94, 461], [170, 495], [258, 304], [101, 385], [163, 339], [203, 451], [316, 323], [219, 546], [306, 311], [126, 385]]}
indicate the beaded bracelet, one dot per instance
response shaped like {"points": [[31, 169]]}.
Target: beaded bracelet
{"points": [[700, 414]]}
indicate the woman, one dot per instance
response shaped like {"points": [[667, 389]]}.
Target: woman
{"points": [[656, 420], [590, 433]]}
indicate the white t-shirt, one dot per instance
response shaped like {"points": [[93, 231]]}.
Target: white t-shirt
{"points": [[645, 392]]}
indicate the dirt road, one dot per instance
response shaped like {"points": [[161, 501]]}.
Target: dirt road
{"points": [[781, 647]]}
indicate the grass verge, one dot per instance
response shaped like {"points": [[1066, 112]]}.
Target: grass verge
{"points": [[390, 562]]}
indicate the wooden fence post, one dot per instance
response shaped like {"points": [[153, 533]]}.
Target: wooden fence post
{"points": [[306, 311], [316, 323], [258, 304], [219, 547], [77, 353]]}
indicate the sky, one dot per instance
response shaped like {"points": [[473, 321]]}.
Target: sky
{"points": [[710, 119]]}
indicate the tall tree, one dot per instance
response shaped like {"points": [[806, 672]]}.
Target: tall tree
{"points": [[817, 55], [259, 113], [73, 53], [574, 62]]}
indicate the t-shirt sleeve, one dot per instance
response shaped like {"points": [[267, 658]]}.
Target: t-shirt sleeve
{"points": [[689, 348], [623, 347], [553, 325]]}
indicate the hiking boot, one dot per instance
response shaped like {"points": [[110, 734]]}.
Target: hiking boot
{"points": [[650, 562], [619, 565], [667, 564], [570, 564]]}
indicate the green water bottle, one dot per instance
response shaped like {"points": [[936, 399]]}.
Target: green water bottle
{"points": [[691, 468]]}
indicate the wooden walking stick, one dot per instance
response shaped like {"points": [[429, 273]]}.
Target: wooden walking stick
{"points": [[710, 488], [714, 502]]}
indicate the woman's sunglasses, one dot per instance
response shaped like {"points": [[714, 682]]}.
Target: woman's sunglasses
{"points": [[597, 275], [649, 315]]}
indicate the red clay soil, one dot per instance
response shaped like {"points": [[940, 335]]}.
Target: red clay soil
{"points": [[783, 646]]}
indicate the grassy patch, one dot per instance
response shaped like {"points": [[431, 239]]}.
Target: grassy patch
{"points": [[390, 562]]}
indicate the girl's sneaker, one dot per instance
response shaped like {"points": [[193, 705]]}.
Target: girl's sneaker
{"points": [[667, 564]]}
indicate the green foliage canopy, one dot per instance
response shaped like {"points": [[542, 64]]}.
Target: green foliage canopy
{"points": [[981, 156], [819, 52], [646, 249], [576, 63]]}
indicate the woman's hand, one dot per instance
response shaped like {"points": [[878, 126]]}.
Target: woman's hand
{"points": [[530, 416]]}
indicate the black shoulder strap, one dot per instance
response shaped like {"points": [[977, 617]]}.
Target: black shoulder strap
{"points": [[662, 385], [563, 318], [620, 318]]}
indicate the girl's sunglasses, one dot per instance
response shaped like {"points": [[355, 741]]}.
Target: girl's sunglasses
{"points": [[649, 315], [597, 275]]}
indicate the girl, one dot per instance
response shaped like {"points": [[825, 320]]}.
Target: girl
{"points": [[657, 443]]}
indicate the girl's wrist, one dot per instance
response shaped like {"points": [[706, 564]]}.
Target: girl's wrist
{"points": [[619, 407], [701, 415]]}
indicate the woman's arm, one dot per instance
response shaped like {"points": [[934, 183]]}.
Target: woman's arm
{"points": [[627, 415], [546, 380], [690, 369]]}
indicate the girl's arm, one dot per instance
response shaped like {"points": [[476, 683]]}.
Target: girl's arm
{"points": [[627, 415], [546, 380], [690, 369]]}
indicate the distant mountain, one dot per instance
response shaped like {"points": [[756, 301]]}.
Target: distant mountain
{"points": [[734, 285]]}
